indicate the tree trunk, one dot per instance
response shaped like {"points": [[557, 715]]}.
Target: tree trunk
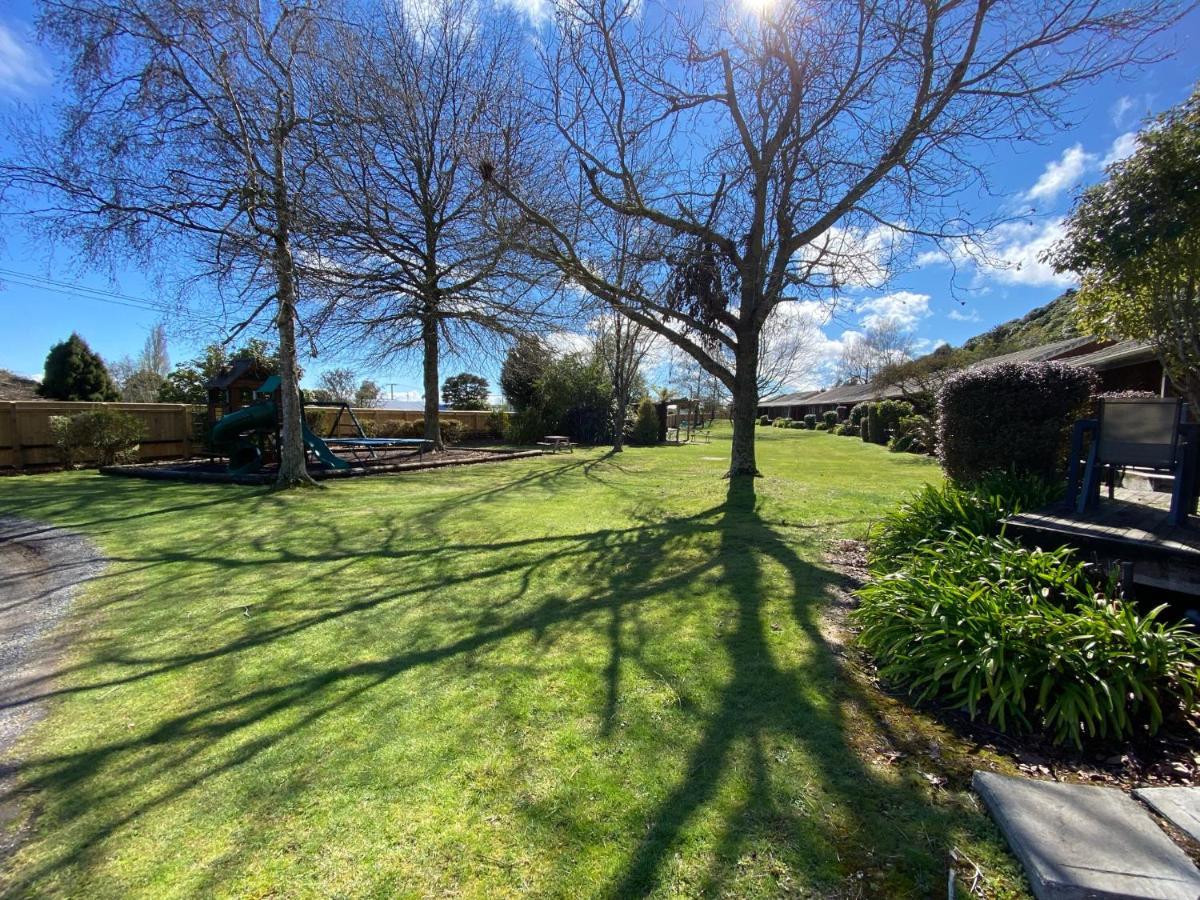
{"points": [[429, 339], [745, 406], [293, 463], [619, 424]]}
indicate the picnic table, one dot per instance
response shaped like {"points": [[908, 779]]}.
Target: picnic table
{"points": [[556, 442]]}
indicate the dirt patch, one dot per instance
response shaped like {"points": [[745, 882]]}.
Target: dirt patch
{"points": [[1171, 757], [41, 568]]}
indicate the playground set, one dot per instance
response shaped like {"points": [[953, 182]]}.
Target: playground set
{"points": [[684, 420], [244, 425]]}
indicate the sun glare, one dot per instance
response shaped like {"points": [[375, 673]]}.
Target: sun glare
{"points": [[760, 7]]}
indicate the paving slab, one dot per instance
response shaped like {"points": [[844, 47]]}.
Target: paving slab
{"points": [[1079, 842], [1178, 805]]}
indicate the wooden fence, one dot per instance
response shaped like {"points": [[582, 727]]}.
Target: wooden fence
{"points": [[169, 429]]}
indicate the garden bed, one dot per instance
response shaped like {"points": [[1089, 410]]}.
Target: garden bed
{"points": [[1170, 757], [204, 470]]}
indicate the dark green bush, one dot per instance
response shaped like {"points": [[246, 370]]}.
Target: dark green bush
{"points": [[982, 623], [452, 430], [936, 510], [497, 422], [104, 435], [847, 430], [889, 413], [810, 421], [797, 423], [859, 413], [830, 418], [872, 427], [764, 420], [782, 422], [645, 427], [1010, 417]]}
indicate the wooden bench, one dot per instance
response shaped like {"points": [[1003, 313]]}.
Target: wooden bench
{"points": [[557, 442]]}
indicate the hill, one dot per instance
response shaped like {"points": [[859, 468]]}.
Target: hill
{"points": [[1053, 322], [16, 387]]}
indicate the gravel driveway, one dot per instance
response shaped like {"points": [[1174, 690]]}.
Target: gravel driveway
{"points": [[40, 569]]}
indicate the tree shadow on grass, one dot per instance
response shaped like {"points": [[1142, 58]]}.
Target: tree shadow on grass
{"points": [[854, 821]]}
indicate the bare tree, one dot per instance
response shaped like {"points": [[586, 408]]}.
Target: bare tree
{"points": [[340, 384], [185, 135], [883, 344], [770, 148], [414, 259]]}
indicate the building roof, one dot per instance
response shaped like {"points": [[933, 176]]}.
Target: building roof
{"points": [[1070, 347], [1126, 353], [242, 367], [792, 399]]}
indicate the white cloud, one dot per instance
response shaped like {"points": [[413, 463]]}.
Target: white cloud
{"points": [[1017, 248], [904, 307], [22, 68], [928, 345], [1121, 108], [855, 257], [537, 11], [568, 341], [959, 315], [1122, 148], [1062, 173]]}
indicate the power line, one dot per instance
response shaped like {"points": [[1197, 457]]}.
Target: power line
{"points": [[84, 292]]}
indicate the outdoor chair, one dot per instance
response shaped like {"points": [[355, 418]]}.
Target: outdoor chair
{"points": [[1143, 433]]}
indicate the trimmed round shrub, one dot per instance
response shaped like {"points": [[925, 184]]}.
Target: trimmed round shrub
{"points": [[859, 412], [830, 418], [782, 422], [847, 430], [1026, 637], [888, 414], [764, 420], [810, 421], [797, 423], [1010, 417], [872, 429]]}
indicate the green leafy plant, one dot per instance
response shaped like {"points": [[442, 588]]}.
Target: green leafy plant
{"points": [[810, 421], [104, 435], [645, 426], [1023, 636], [830, 418], [764, 420], [847, 430], [937, 510], [782, 422], [913, 434]]}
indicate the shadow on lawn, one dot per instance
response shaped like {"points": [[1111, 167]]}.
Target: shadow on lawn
{"points": [[855, 820]]}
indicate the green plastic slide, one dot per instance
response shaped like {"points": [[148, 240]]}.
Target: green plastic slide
{"points": [[244, 457]]}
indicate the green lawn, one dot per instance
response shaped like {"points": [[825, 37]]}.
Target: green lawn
{"points": [[579, 675]]}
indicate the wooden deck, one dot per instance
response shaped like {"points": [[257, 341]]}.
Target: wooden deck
{"points": [[1132, 528]]}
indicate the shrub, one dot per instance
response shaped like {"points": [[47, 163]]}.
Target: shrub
{"points": [[842, 413], [451, 430], [497, 422], [859, 413], [1010, 416], [797, 423], [764, 420], [847, 430], [936, 510], [913, 434], [105, 435], [810, 421], [872, 427], [830, 418], [889, 413], [782, 422], [983, 623], [319, 420], [645, 427], [396, 428]]}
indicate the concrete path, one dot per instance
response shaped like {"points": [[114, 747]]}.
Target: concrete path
{"points": [[1178, 805], [41, 567], [1079, 842]]}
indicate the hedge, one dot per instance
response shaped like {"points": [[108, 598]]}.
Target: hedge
{"points": [[1010, 417]]}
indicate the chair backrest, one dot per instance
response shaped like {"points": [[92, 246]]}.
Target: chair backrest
{"points": [[1139, 432]]}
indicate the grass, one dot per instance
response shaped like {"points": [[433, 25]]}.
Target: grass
{"points": [[579, 675]]}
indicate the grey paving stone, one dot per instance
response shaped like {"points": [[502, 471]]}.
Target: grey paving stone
{"points": [[1179, 805], [1078, 842]]}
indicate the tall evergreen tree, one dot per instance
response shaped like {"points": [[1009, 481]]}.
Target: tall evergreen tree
{"points": [[75, 372]]}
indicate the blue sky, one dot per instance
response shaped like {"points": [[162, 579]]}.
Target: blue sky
{"points": [[1038, 179]]}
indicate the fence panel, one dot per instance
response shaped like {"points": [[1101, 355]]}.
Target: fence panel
{"points": [[26, 440]]}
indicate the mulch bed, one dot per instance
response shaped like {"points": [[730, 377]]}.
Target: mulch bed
{"points": [[1171, 757], [214, 472]]}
